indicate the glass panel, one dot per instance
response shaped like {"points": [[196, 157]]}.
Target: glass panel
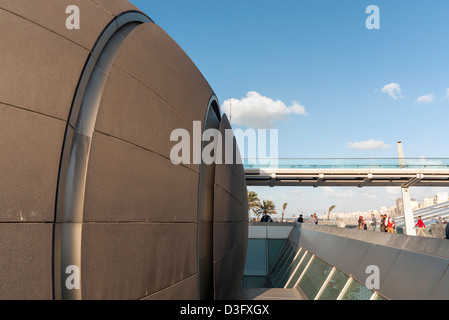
{"points": [[300, 269], [357, 291], [313, 279], [256, 258], [283, 270], [274, 247], [267, 283], [379, 297], [334, 286], [280, 266], [279, 258], [287, 274], [252, 282], [349, 163]]}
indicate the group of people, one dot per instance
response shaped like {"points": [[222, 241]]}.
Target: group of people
{"points": [[313, 219], [387, 224]]}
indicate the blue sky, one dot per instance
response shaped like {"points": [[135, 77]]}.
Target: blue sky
{"points": [[320, 55]]}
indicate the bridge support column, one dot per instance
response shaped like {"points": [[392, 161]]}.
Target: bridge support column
{"points": [[406, 201], [408, 212]]}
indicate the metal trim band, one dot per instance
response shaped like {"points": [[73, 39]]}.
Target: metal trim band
{"points": [[76, 151]]}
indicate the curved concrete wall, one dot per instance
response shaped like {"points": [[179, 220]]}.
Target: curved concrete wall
{"points": [[411, 268], [86, 176]]}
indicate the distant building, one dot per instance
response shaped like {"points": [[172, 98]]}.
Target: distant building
{"points": [[441, 197], [429, 201], [399, 208], [394, 210]]}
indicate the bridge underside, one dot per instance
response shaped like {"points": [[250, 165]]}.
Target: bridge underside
{"points": [[348, 177]]}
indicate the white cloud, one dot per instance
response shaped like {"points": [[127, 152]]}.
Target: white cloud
{"points": [[367, 145], [299, 192], [446, 97], [370, 195], [393, 90], [393, 191], [343, 194], [425, 99], [257, 111]]}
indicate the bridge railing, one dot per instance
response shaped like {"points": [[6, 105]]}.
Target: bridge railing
{"points": [[346, 163]]}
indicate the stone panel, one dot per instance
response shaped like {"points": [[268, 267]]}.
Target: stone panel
{"points": [[331, 248], [380, 256], [226, 271], [153, 58], [413, 276], [31, 149], [51, 14], [128, 183], [115, 7], [227, 208], [230, 235], [132, 112], [230, 228], [44, 81], [352, 256], [26, 261], [184, 290], [134, 260], [232, 184], [307, 239], [441, 291]]}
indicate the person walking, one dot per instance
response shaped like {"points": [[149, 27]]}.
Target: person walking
{"points": [[420, 226], [382, 222], [373, 222], [390, 226]]}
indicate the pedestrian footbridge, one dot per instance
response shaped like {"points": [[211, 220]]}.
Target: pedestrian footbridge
{"points": [[385, 172]]}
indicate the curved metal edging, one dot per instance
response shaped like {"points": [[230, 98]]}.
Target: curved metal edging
{"points": [[74, 162], [206, 209]]}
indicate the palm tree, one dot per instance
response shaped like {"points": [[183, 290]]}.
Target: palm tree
{"points": [[283, 209], [329, 212], [267, 207], [253, 202]]}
